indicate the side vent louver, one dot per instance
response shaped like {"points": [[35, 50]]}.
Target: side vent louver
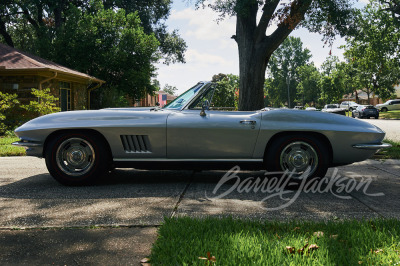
{"points": [[136, 143]]}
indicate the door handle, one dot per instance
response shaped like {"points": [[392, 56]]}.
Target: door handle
{"points": [[248, 122]]}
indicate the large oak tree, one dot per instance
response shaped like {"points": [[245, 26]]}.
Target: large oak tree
{"points": [[255, 46]]}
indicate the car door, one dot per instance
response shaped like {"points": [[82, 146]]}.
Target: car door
{"points": [[216, 135], [396, 105]]}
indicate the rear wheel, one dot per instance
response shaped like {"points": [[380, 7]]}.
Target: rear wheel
{"points": [[298, 154], [77, 158]]}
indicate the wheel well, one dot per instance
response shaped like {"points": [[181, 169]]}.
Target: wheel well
{"points": [[317, 135], [88, 131]]}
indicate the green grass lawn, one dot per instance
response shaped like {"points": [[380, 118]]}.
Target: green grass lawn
{"points": [[6, 149], [391, 153], [227, 241], [390, 115]]}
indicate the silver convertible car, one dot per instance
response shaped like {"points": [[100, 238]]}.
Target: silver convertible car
{"points": [[80, 146]]}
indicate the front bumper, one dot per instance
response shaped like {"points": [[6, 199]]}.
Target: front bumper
{"points": [[32, 148], [372, 146]]}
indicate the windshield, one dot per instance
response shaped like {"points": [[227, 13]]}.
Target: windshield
{"points": [[184, 98]]}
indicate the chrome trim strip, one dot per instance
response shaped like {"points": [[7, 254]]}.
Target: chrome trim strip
{"points": [[26, 144], [372, 146], [187, 160]]}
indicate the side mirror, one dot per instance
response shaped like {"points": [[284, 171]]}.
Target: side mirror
{"points": [[205, 106]]}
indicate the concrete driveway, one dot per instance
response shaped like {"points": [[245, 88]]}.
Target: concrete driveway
{"points": [[30, 198]]}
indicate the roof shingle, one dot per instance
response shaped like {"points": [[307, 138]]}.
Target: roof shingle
{"points": [[11, 58]]}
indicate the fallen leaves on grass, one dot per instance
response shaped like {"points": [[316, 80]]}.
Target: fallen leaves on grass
{"points": [[301, 250], [377, 251], [290, 249], [145, 262], [209, 260], [306, 249], [319, 234]]}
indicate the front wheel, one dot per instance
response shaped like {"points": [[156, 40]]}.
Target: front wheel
{"points": [[297, 155], [77, 159], [384, 109]]}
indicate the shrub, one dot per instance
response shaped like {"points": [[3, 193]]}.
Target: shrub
{"points": [[46, 104], [7, 103]]}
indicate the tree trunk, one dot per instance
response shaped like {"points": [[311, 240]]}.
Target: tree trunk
{"points": [[252, 77], [253, 60]]}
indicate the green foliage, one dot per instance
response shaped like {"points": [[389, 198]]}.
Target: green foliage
{"points": [[113, 40], [375, 50], [111, 45], [282, 69], [46, 103], [111, 97], [331, 83], [308, 89], [7, 103], [226, 92], [170, 89]]}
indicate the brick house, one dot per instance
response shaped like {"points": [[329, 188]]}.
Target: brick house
{"points": [[151, 100], [21, 71]]}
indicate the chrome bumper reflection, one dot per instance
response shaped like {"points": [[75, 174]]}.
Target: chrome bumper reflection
{"points": [[372, 146], [26, 144]]}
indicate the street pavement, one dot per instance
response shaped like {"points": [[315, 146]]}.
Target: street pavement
{"points": [[391, 127], [120, 215]]}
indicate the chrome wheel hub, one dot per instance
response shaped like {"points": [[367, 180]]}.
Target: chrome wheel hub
{"points": [[297, 157], [75, 156]]}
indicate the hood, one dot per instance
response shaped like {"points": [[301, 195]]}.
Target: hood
{"points": [[131, 108], [92, 118]]}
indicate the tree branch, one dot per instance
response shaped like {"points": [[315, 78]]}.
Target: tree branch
{"points": [[268, 11], [282, 32], [4, 33], [29, 18]]}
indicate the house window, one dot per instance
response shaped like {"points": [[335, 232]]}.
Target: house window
{"points": [[65, 96]]}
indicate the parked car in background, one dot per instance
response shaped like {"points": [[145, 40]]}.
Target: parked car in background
{"points": [[334, 109], [349, 105], [311, 109], [389, 105], [366, 111], [298, 107]]}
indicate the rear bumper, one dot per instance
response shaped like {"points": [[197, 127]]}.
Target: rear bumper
{"points": [[372, 146]]}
